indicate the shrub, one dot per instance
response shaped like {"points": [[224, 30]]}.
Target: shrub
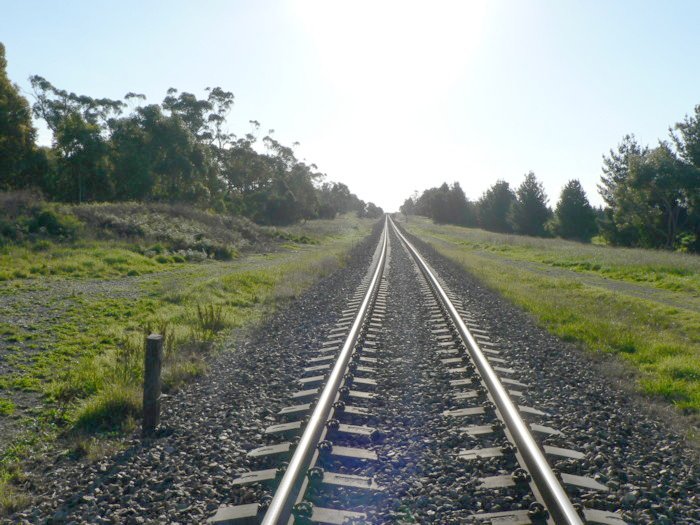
{"points": [[16, 203], [8, 231], [51, 222], [41, 246], [179, 373], [11, 498], [23, 215], [223, 253]]}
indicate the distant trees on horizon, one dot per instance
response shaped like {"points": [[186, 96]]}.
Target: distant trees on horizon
{"points": [[501, 209], [651, 195], [175, 151]]}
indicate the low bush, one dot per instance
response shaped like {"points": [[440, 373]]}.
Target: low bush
{"points": [[11, 498], [48, 221], [24, 216]]}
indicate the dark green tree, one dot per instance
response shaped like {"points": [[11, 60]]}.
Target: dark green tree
{"points": [[82, 166], [371, 211], [460, 210], [79, 125], [220, 103], [616, 167], [494, 208], [651, 195], [132, 159], [656, 196], [444, 204], [335, 198], [529, 211], [409, 206], [687, 143], [19, 159], [574, 216]]}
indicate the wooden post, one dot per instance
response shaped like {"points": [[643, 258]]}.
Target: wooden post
{"points": [[152, 383]]}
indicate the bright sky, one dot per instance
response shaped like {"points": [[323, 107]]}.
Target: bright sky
{"points": [[391, 96]]}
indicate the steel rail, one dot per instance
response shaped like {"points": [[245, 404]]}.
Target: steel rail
{"points": [[280, 508], [556, 501]]}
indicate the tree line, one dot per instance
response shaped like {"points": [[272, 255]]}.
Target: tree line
{"points": [[179, 150], [502, 209], [651, 195]]}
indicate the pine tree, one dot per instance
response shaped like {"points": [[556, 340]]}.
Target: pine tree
{"points": [[530, 212], [575, 218], [494, 207]]}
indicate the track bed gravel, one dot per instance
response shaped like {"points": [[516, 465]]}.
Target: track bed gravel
{"points": [[424, 481]]}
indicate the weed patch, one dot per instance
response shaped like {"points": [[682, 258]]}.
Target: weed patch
{"points": [[7, 407]]}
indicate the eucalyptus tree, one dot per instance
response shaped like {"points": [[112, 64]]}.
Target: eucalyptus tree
{"points": [[18, 154], [80, 141]]}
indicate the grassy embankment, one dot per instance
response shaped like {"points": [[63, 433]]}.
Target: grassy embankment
{"points": [[71, 350], [642, 305]]}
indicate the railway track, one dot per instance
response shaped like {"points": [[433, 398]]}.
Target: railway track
{"points": [[341, 452]]}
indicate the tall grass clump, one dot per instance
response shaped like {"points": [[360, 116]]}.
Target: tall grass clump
{"points": [[111, 409], [210, 320], [12, 498]]}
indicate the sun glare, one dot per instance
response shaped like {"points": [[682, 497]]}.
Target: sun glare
{"points": [[391, 66]]}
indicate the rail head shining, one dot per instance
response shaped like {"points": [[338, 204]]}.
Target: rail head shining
{"points": [[280, 508], [557, 502]]}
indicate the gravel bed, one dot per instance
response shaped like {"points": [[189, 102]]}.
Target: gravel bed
{"points": [[184, 474]]}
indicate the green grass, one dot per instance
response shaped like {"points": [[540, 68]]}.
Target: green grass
{"points": [[655, 268], [197, 309], [661, 342], [7, 407], [88, 373], [93, 260]]}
